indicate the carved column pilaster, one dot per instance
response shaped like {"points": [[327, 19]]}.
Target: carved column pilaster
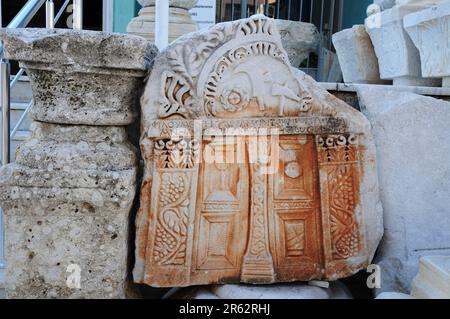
{"points": [[258, 261]]}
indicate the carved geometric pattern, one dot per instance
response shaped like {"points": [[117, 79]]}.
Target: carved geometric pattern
{"points": [[337, 148], [295, 237], [338, 155], [288, 126]]}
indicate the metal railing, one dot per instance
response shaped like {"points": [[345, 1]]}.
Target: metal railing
{"points": [[21, 20], [326, 15]]}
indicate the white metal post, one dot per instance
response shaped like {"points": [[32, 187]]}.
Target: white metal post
{"points": [[108, 12], [49, 14], [5, 140], [78, 14], [162, 24], [5, 104]]}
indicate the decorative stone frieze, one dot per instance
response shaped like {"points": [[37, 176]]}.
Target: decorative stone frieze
{"points": [[429, 30], [253, 173], [67, 198], [180, 20]]}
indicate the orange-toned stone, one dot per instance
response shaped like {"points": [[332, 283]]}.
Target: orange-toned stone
{"points": [[252, 172]]}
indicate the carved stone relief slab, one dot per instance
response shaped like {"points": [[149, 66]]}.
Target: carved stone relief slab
{"points": [[252, 172]]}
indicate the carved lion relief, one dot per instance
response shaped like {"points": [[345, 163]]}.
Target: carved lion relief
{"points": [[252, 172]]}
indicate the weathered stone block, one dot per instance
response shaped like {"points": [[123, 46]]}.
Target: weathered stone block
{"points": [[411, 135], [429, 30], [81, 77], [299, 39], [253, 173], [398, 58], [67, 204], [356, 56]]}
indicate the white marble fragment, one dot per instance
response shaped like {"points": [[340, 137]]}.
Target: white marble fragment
{"points": [[429, 29], [356, 56], [411, 135], [398, 58]]}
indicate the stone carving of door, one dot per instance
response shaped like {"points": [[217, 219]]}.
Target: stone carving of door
{"points": [[222, 205], [295, 219], [277, 232]]}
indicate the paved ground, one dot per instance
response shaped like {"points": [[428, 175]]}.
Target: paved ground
{"points": [[2, 294]]}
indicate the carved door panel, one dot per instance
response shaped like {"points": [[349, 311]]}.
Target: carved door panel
{"points": [[222, 222], [295, 222]]}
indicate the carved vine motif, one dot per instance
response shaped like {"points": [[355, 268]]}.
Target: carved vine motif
{"points": [[344, 228], [176, 153], [338, 155], [172, 220]]}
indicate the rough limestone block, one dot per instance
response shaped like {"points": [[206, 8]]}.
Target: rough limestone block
{"points": [[429, 29], [81, 77], [310, 211], [299, 39], [180, 20], [433, 279], [398, 58], [411, 135], [356, 56], [67, 201]]}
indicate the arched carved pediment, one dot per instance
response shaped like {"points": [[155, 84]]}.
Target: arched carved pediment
{"points": [[237, 68]]}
